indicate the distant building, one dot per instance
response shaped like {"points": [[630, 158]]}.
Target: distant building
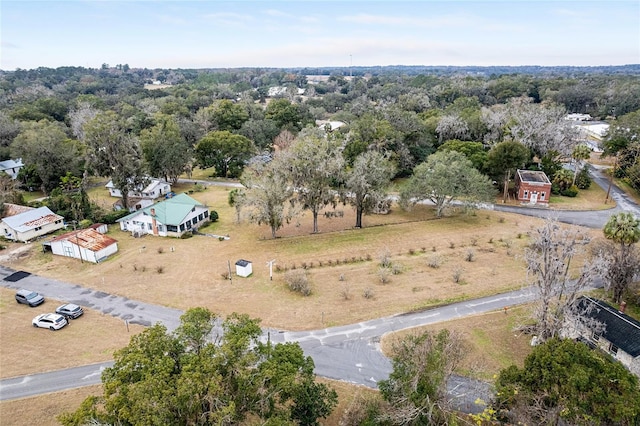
{"points": [[11, 167], [577, 117], [30, 224], [142, 196], [532, 187]]}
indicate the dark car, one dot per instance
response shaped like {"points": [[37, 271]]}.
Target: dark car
{"points": [[69, 310], [29, 297]]}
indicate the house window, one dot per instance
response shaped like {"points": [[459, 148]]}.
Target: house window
{"points": [[613, 349], [542, 196], [188, 224], [149, 226], [526, 194], [206, 213], [200, 217], [160, 228], [194, 220], [595, 337], [172, 228], [38, 228], [182, 227]]}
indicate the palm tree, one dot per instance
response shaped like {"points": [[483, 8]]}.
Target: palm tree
{"points": [[624, 230]]}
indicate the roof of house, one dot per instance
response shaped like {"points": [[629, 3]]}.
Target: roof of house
{"points": [[89, 239], [31, 219], [153, 182], [620, 329], [533, 176], [169, 212], [11, 164], [14, 209]]}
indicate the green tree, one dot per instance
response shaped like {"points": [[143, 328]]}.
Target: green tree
{"points": [[417, 387], [44, 146], [366, 181], [268, 195], [474, 151], [446, 177], [225, 151], [314, 166], [504, 159], [565, 382], [580, 153], [623, 260], [285, 114], [166, 152], [229, 116], [114, 152], [190, 377]]}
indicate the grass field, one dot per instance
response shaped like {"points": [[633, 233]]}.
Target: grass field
{"points": [[483, 249]]}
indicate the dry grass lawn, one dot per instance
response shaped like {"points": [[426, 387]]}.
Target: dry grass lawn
{"points": [[491, 340], [342, 264], [25, 349]]}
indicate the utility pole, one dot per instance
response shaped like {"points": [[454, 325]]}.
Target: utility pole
{"points": [[229, 267], [615, 164]]}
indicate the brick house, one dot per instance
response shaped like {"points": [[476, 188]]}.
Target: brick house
{"points": [[533, 187]]}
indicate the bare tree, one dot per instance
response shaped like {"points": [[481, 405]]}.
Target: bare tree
{"points": [[79, 117], [548, 259], [451, 127]]}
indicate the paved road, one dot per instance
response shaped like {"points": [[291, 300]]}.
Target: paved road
{"points": [[350, 353]]}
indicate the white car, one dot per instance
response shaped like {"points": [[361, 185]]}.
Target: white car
{"points": [[50, 321]]}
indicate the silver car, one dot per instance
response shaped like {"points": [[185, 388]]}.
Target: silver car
{"points": [[69, 310], [29, 297]]}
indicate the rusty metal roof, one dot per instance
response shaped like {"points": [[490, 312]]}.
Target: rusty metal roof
{"points": [[89, 239]]}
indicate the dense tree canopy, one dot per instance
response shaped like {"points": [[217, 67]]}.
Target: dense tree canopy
{"points": [[225, 151], [566, 381], [191, 377], [447, 177]]}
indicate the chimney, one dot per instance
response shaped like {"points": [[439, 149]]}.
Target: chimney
{"points": [[154, 225], [623, 306]]}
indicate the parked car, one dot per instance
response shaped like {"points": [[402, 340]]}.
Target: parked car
{"points": [[50, 321], [69, 310], [29, 297]]}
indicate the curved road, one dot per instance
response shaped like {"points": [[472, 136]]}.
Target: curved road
{"points": [[350, 353]]}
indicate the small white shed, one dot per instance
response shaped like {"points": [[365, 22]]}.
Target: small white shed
{"points": [[243, 268]]}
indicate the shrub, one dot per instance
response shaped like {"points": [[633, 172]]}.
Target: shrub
{"points": [[572, 191], [160, 269], [186, 235], [583, 180], [434, 261], [368, 293], [345, 292], [213, 216], [298, 281], [385, 258], [470, 255], [396, 269], [383, 274], [457, 274], [452, 245], [160, 250]]}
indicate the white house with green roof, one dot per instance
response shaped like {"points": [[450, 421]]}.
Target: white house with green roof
{"points": [[169, 218]]}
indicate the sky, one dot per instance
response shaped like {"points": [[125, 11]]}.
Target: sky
{"points": [[242, 33]]}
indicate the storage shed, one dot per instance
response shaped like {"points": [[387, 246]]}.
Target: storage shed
{"points": [[88, 245], [243, 268]]}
